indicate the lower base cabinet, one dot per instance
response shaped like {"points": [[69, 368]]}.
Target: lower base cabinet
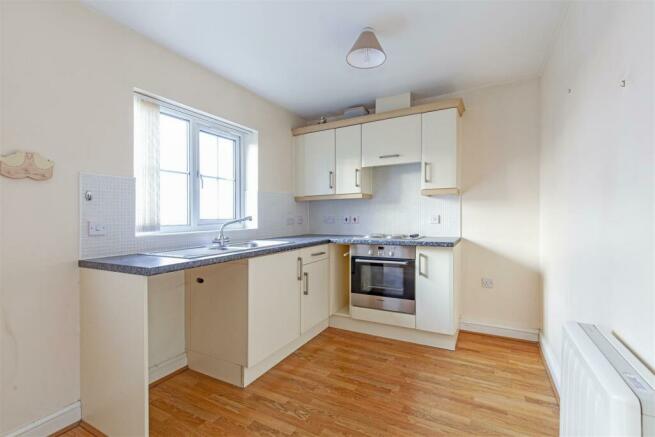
{"points": [[242, 314], [273, 304], [437, 279], [315, 294]]}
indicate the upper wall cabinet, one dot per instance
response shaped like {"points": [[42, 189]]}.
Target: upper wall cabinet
{"points": [[329, 165], [315, 164], [333, 159], [392, 141], [351, 177], [440, 152]]}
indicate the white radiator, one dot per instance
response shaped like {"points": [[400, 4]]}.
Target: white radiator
{"points": [[604, 388]]}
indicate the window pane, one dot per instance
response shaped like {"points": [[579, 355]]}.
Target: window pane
{"points": [[208, 154], [173, 199], [209, 199], [173, 143], [216, 155], [225, 199], [226, 158], [216, 199]]}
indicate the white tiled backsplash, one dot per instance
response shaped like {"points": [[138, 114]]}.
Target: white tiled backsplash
{"points": [[113, 205], [397, 207]]}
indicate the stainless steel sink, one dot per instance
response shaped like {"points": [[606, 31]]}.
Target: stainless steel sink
{"points": [[252, 244], [215, 249]]}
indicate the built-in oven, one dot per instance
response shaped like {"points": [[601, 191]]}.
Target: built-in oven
{"points": [[383, 277]]}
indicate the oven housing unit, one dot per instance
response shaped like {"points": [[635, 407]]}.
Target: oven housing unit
{"points": [[383, 277]]}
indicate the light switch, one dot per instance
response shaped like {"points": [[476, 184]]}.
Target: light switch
{"points": [[97, 229]]}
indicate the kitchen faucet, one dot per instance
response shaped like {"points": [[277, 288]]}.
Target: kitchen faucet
{"points": [[222, 240]]}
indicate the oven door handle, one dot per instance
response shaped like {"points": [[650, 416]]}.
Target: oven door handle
{"points": [[382, 261]]}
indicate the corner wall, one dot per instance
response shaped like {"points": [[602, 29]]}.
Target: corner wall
{"points": [[500, 208], [597, 177]]}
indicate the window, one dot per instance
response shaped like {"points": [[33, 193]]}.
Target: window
{"points": [[188, 168]]}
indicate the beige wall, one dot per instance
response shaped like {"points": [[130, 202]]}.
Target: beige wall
{"points": [[67, 79], [500, 205], [597, 185]]}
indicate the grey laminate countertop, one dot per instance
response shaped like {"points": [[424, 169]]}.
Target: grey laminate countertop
{"points": [[149, 265]]}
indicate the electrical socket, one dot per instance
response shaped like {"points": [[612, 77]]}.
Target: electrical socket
{"points": [[345, 220], [354, 220], [435, 219], [487, 283]]}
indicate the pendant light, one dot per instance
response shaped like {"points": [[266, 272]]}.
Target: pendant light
{"points": [[367, 51]]}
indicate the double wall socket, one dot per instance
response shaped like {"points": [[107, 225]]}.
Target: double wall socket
{"points": [[350, 220], [487, 283], [299, 220]]}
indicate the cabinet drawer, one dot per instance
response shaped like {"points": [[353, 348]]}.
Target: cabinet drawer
{"points": [[314, 253], [392, 141]]}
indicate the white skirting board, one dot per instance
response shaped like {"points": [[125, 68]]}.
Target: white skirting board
{"points": [[52, 423], [551, 362], [501, 331], [167, 367]]}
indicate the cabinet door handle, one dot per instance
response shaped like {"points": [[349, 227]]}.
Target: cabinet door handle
{"points": [[306, 289], [422, 261], [357, 177], [395, 155], [331, 183], [427, 172], [318, 253], [299, 268]]}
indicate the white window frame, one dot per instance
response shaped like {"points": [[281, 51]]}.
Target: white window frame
{"points": [[203, 122]]}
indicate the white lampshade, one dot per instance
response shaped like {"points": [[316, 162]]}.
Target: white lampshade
{"points": [[367, 51]]}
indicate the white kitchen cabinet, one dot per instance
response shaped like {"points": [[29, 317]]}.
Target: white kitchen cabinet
{"points": [[273, 304], [217, 313], [315, 294], [315, 163], [392, 141], [439, 152], [436, 282], [351, 177]]}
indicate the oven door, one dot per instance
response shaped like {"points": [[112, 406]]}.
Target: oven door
{"points": [[386, 284]]}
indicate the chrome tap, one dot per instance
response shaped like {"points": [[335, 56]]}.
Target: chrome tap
{"points": [[222, 240]]}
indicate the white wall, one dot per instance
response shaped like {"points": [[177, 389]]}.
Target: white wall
{"points": [[500, 205], [597, 196], [68, 76]]}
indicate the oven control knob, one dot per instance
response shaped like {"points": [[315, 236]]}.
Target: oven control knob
{"points": [[370, 251]]}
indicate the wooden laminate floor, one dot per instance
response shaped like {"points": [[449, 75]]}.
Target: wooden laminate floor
{"points": [[344, 383]]}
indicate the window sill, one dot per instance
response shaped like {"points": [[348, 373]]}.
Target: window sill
{"points": [[193, 231]]}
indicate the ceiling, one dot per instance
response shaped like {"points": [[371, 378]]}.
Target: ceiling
{"points": [[293, 53]]}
